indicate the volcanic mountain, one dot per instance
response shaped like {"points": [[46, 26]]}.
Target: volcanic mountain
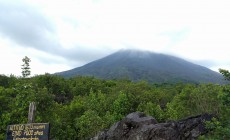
{"points": [[144, 65]]}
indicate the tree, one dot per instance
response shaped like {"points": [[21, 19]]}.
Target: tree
{"points": [[225, 73], [89, 124], [221, 127], [122, 105], [152, 109], [26, 67]]}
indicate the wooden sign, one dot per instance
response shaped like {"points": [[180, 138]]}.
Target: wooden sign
{"points": [[31, 131]]}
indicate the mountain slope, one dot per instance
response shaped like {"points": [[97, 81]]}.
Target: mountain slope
{"points": [[142, 65]]}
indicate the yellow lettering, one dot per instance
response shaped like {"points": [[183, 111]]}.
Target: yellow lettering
{"points": [[17, 127], [22, 127], [38, 133], [27, 127], [39, 127], [16, 133], [28, 132], [11, 128], [14, 127]]}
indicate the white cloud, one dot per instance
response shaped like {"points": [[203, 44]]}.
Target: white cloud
{"points": [[84, 30], [12, 55]]}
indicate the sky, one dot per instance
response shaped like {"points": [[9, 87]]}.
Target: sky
{"points": [[59, 35]]}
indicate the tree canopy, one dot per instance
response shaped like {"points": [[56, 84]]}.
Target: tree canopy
{"points": [[79, 107], [225, 73]]}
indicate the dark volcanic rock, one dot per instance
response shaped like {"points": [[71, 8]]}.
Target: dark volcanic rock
{"points": [[138, 126]]}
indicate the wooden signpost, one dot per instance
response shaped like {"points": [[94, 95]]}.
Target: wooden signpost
{"points": [[29, 131], [31, 114]]}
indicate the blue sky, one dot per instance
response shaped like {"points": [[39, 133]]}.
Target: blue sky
{"points": [[64, 34]]}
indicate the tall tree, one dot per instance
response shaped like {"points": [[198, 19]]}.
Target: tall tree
{"points": [[26, 67]]}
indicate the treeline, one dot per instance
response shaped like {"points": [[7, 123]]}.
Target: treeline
{"points": [[79, 107]]}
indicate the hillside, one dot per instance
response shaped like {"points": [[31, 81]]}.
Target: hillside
{"points": [[143, 65]]}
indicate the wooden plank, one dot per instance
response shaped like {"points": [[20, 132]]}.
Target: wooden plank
{"points": [[31, 114]]}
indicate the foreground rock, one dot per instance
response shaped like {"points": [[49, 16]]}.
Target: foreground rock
{"points": [[138, 126]]}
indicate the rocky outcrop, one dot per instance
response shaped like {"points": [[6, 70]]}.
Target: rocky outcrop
{"points": [[138, 126]]}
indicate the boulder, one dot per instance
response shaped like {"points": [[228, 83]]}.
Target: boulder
{"points": [[138, 126]]}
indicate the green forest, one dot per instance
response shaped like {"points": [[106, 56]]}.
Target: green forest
{"points": [[79, 107]]}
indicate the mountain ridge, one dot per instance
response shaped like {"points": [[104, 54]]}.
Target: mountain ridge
{"points": [[138, 65]]}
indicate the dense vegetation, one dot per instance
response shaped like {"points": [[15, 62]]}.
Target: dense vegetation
{"points": [[79, 107]]}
